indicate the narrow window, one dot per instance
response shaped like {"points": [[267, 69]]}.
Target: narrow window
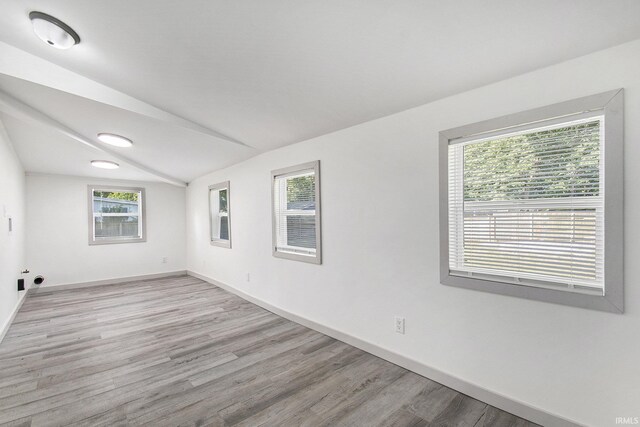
{"points": [[220, 215], [116, 215], [528, 208], [296, 213]]}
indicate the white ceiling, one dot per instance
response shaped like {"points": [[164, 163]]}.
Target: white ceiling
{"points": [[180, 153], [177, 77], [44, 151]]}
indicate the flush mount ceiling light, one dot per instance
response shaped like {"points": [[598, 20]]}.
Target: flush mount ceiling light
{"points": [[115, 140], [53, 31], [104, 164]]}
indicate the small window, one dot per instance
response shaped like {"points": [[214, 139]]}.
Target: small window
{"points": [[116, 215], [220, 215], [534, 208], [296, 213]]}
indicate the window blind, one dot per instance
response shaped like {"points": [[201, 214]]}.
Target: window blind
{"points": [[527, 207], [295, 212]]}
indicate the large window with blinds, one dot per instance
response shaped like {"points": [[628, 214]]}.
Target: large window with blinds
{"points": [[528, 207], [116, 215], [296, 212]]}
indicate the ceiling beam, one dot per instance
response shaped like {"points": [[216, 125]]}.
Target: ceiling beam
{"points": [[20, 110], [23, 65]]}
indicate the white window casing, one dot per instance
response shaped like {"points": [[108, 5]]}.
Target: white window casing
{"points": [[296, 213], [531, 204]]}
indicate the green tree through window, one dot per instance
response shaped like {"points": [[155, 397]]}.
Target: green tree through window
{"points": [[543, 164], [301, 189], [133, 197]]}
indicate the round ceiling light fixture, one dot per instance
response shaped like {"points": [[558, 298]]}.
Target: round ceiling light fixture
{"points": [[104, 164], [115, 140], [53, 31]]}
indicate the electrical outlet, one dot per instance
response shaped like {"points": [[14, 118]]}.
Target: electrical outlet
{"points": [[248, 277], [164, 260], [400, 325]]}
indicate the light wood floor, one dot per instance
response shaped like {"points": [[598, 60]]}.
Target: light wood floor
{"points": [[179, 351]]}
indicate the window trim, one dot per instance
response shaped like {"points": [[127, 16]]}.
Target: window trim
{"points": [[220, 242], [611, 105], [317, 258], [142, 215]]}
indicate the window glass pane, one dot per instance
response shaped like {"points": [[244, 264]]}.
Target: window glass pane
{"points": [[301, 231], [116, 227], [529, 206], [295, 212], [219, 205], [116, 215], [551, 163], [222, 196], [557, 242], [224, 228], [301, 192], [115, 202]]}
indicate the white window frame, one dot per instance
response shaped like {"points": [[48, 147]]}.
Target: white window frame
{"points": [[142, 212], [226, 185], [292, 254], [610, 106]]}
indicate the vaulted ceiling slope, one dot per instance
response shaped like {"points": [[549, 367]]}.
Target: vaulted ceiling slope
{"points": [[202, 84]]}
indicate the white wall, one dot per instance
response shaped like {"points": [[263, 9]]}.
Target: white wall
{"points": [[12, 244], [57, 243], [380, 252]]}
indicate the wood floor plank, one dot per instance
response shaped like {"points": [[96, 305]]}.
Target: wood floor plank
{"points": [[404, 418], [494, 417], [180, 352], [385, 403]]}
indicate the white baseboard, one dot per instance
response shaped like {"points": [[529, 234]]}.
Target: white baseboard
{"points": [[107, 281], [476, 391], [7, 323]]}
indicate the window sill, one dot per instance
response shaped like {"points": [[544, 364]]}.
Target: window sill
{"points": [[221, 243], [114, 242], [557, 296], [312, 259]]}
